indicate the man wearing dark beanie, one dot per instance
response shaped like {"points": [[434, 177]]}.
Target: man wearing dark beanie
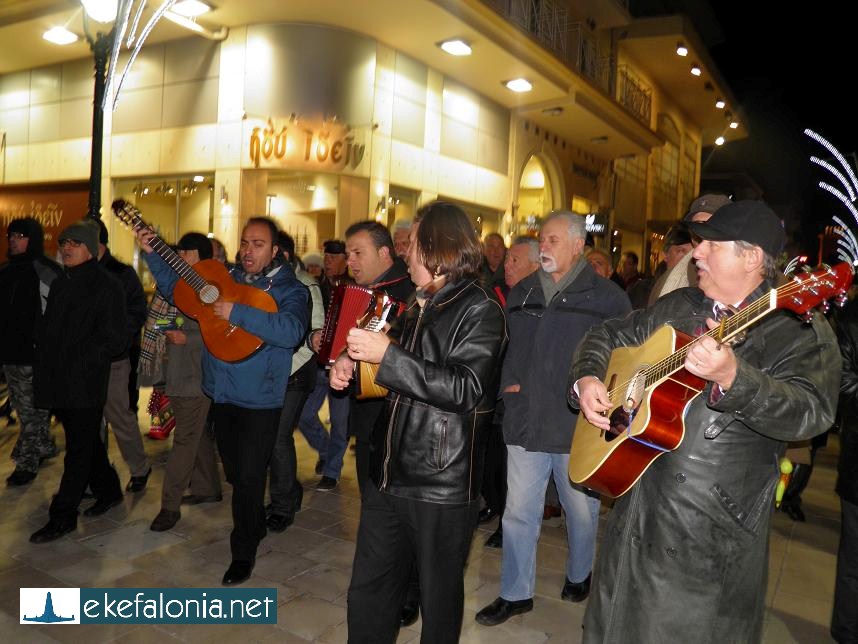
{"points": [[81, 332], [25, 281]]}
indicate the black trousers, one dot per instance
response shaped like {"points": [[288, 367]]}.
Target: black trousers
{"points": [[844, 619], [245, 440], [494, 475], [363, 415], [283, 485], [394, 532], [85, 464]]}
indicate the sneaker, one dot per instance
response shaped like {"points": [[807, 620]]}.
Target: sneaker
{"points": [[326, 484]]}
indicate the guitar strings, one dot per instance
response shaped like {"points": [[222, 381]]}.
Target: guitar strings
{"points": [[731, 326]]}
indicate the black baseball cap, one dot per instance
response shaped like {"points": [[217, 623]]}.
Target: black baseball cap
{"points": [[710, 203], [749, 221]]}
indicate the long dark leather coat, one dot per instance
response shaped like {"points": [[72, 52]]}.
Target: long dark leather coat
{"points": [[685, 554], [443, 383], [847, 468]]}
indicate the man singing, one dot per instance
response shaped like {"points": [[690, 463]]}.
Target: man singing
{"points": [[685, 553], [422, 500], [248, 395]]}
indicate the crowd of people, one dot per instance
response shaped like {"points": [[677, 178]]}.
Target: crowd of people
{"points": [[487, 367]]}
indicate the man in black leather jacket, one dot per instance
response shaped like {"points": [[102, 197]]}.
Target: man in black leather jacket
{"points": [[422, 500], [685, 553]]}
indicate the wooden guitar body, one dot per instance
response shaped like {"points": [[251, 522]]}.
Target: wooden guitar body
{"points": [[611, 463], [223, 340]]}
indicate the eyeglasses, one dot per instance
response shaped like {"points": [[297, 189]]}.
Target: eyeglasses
{"points": [[70, 242], [15, 236]]}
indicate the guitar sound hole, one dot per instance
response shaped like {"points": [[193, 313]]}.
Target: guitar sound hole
{"points": [[620, 422], [209, 294]]}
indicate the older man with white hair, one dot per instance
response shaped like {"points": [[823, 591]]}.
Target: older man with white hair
{"points": [[549, 312]]}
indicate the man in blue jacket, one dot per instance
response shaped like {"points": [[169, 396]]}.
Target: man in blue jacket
{"points": [[247, 396]]}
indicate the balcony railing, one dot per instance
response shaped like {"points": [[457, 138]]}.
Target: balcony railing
{"points": [[547, 21], [634, 95]]}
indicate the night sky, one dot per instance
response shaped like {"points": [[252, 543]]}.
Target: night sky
{"points": [[790, 69]]}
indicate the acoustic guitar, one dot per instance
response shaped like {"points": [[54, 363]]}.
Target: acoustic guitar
{"points": [[201, 286], [650, 390]]}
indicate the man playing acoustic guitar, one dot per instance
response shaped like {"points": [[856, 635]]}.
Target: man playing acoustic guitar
{"points": [[247, 395], [685, 554]]}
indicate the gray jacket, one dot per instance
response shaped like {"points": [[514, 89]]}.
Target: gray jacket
{"points": [[542, 341], [685, 553], [184, 373]]}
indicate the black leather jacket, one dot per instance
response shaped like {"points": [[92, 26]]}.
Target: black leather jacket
{"points": [[847, 468], [443, 386]]}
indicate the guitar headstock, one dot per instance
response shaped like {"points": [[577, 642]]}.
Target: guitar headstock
{"points": [[127, 213], [806, 291]]}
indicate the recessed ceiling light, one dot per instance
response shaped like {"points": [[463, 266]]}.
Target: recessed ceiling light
{"points": [[720, 104], [190, 8], [719, 140], [695, 70], [681, 49], [198, 178], [733, 125], [553, 111], [101, 10], [59, 36], [518, 85], [456, 47]]}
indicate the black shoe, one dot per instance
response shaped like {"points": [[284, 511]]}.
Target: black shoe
{"points": [[576, 592], [165, 520], [238, 572], [410, 612], [495, 540], [486, 515], [138, 483], [501, 610], [196, 499], [20, 477], [101, 506], [52, 531], [326, 484], [279, 522], [320, 465], [793, 511]]}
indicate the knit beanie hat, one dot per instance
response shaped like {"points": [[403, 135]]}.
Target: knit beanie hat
{"points": [[83, 230]]}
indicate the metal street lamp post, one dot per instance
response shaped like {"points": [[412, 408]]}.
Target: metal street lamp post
{"points": [[101, 46]]}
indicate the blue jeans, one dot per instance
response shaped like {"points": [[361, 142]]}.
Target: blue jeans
{"points": [[331, 448], [527, 478]]}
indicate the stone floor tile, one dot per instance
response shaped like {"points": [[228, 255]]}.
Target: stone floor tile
{"points": [[309, 617], [337, 552], [322, 581]]}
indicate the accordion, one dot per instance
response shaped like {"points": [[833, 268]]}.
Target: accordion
{"points": [[354, 306]]}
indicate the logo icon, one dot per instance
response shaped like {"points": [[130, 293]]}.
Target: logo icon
{"points": [[50, 605]]}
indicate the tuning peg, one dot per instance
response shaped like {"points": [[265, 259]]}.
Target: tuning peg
{"points": [[825, 306], [808, 317], [841, 300]]}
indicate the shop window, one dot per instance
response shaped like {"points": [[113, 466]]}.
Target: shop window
{"points": [[534, 198]]}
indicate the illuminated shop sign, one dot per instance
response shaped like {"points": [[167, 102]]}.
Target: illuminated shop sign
{"points": [[595, 223], [299, 144]]}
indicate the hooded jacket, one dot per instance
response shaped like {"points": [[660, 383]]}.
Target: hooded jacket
{"points": [[685, 553], [25, 282], [258, 381]]}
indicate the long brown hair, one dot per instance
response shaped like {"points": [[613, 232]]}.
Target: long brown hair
{"points": [[447, 243]]}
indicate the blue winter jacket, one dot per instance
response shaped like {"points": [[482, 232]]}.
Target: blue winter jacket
{"points": [[257, 382]]}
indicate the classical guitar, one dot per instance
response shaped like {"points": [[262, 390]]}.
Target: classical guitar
{"points": [[650, 390], [201, 286]]}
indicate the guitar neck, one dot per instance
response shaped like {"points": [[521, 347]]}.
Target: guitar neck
{"points": [[182, 268], [729, 328]]}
